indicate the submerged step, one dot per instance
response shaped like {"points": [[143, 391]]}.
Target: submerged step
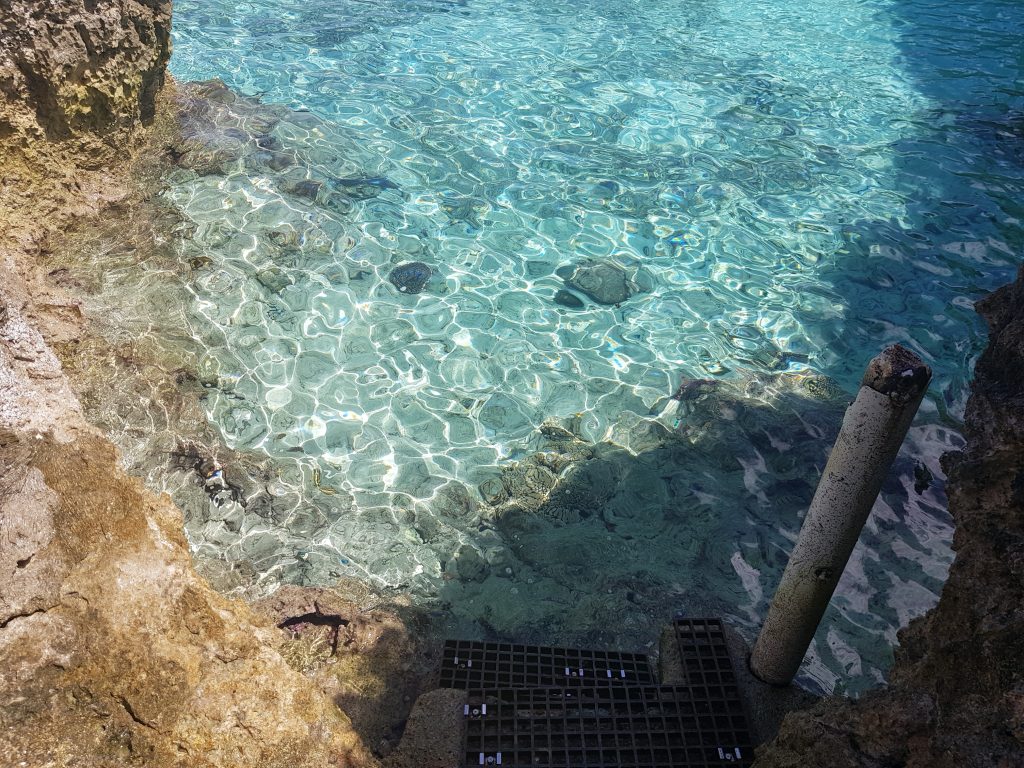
{"points": [[704, 652], [479, 664], [547, 707]]}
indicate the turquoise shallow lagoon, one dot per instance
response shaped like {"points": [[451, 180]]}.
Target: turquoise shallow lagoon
{"points": [[781, 187]]}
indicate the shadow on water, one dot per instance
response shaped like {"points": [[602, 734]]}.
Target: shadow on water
{"points": [[654, 529], [958, 171]]}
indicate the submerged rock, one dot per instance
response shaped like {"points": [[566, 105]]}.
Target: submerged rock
{"points": [[493, 491], [410, 277], [363, 188], [266, 141], [214, 90], [539, 485], [568, 299], [207, 151], [922, 477], [469, 565], [286, 239], [219, 128], [693, 389], [269, 160], [823, 388], [307, 188], [602, 281], [274, 279]]}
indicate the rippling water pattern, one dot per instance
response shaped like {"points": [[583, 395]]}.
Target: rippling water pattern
{"points": [[611, 198]]}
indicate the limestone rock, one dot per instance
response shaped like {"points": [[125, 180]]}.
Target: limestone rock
{"points": [[74, 67], [371, 663], [115, 651]]}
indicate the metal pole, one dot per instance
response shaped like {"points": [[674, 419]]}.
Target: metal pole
{"points": [[873, 429]]}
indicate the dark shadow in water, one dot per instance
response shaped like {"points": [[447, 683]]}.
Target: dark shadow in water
{"points": [[603, 569], [608, 564], [683, 520], [960, 174]]}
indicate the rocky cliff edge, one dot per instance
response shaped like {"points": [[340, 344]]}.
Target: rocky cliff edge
{"points": [[114, 652]]}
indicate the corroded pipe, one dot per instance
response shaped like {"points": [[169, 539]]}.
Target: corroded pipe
{"points": [[873, 430]]}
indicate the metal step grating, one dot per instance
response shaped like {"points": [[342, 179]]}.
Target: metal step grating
{"points": [[704, 652], [477, 664], [639, 726]]}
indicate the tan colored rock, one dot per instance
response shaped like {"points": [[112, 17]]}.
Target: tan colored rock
{"points": [[434, 734], [371, 663], [78, 68]]}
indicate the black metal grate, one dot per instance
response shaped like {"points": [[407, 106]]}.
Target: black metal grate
{"points": [[640, 726], [476, 664], [539, 707], [704, 652]]}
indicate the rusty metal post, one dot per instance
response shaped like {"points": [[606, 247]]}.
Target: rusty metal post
{"points": [[873, 430]]}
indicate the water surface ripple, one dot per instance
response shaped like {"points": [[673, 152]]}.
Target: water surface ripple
{"points": [[784, 187]]}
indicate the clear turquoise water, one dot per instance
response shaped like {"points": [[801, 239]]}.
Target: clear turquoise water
{"points": [[791, 186]]}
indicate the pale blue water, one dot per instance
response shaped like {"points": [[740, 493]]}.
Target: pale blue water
{"points": [[790, 186]]}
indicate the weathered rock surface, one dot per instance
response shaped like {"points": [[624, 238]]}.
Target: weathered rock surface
{"points": [[371, 663], [77, 68], [115, 651], [956, 698]]}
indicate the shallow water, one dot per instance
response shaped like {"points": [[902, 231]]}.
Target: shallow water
{"points": [[784, 187]]}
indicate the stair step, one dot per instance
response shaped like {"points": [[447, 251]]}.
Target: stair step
{"points": [[531, 706], [478, 664], [635, 726], [703, 651]]}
